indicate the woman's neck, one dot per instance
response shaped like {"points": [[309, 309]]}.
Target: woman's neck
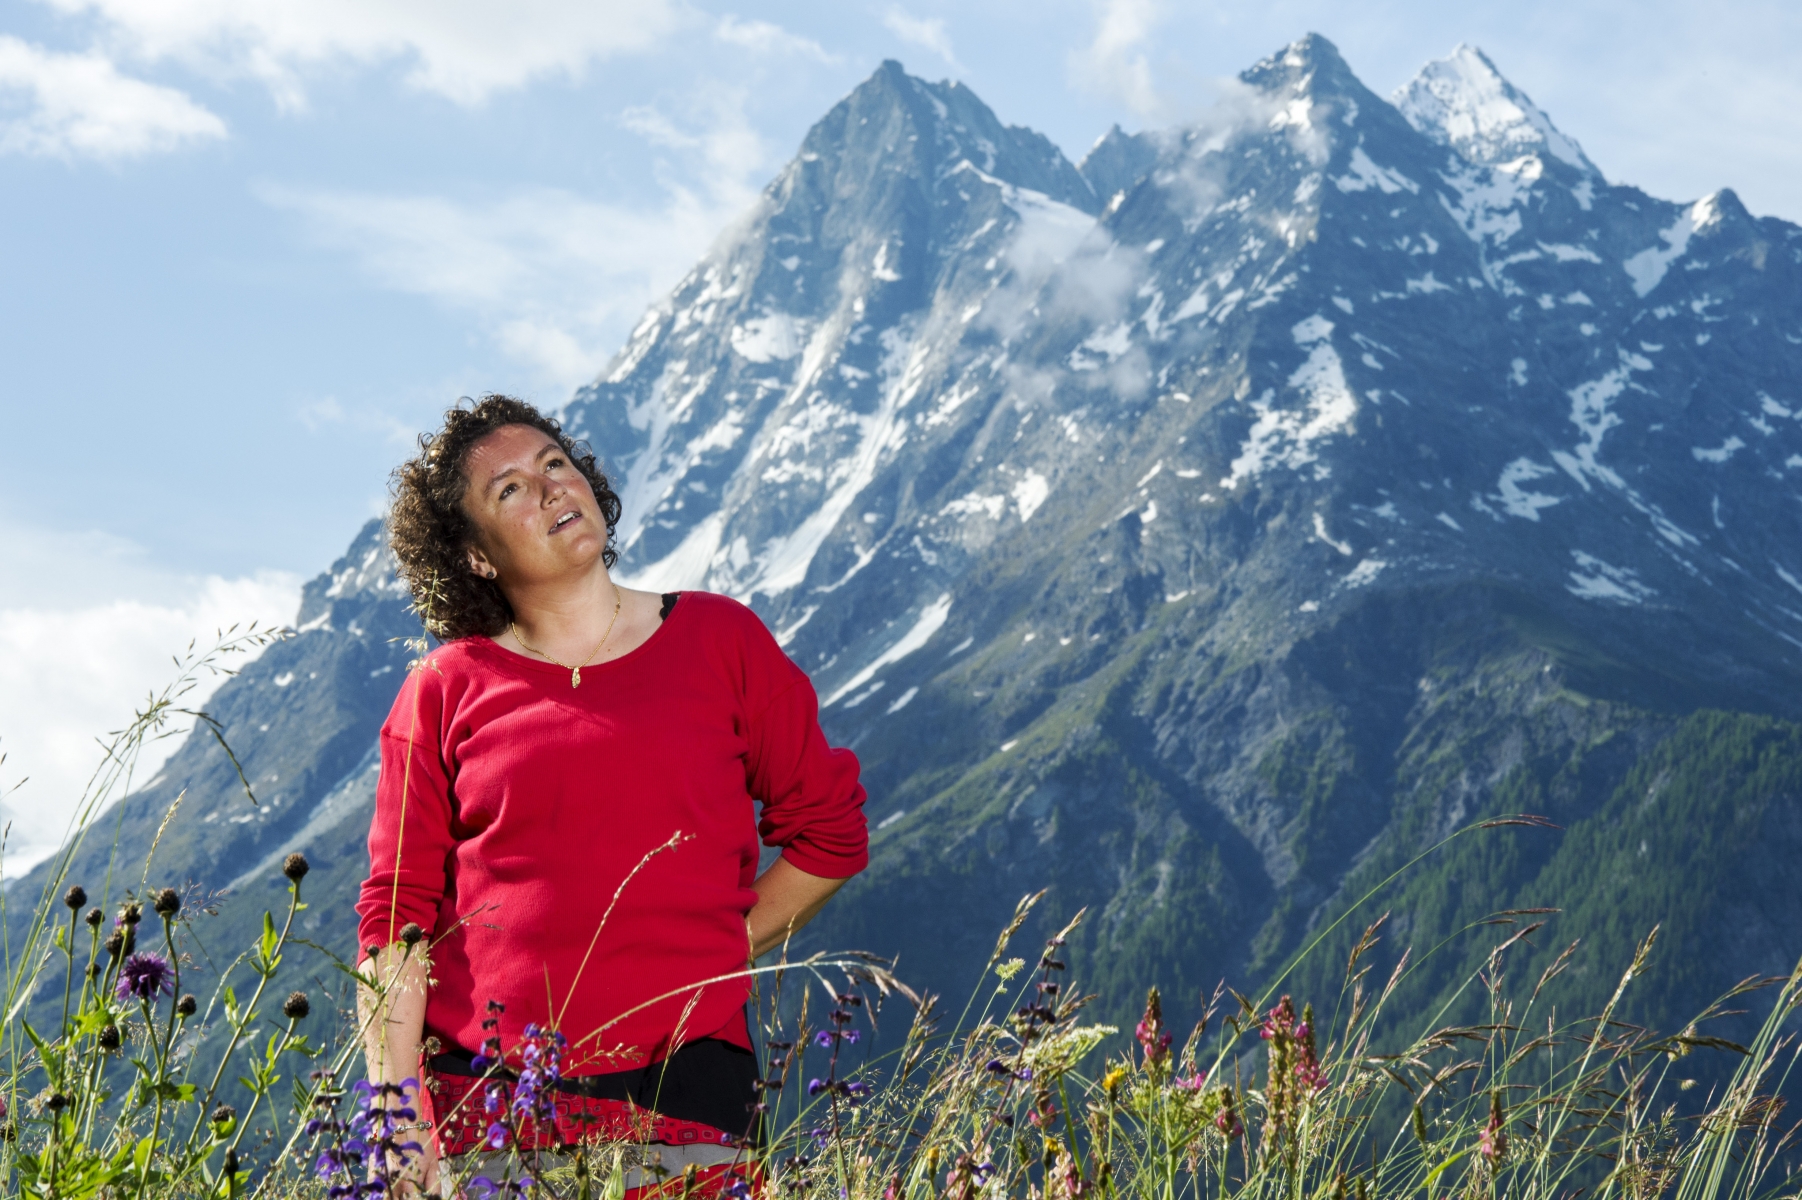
{"points": [[565, 621]]}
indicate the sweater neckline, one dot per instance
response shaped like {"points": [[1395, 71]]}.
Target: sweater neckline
{"points": [[538, 665]]}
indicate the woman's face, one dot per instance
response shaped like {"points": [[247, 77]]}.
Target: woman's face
{"points": [[536, 518]]}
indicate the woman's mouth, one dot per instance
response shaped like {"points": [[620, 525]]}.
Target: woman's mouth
{"points": [[564, 520]]}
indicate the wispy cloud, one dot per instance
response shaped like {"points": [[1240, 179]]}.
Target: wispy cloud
{"points": [[768, 38], [80, 106], [555, 278], [1114, 63], [926, 32], [75, 663], [464, 50]]}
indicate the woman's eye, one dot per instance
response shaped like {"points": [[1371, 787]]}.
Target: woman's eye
{"points": [[553, 464], [509, 490]]}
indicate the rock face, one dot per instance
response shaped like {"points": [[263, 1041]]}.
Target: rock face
{"points": [[1203, 532]]}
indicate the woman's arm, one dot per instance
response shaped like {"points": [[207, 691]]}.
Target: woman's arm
{"points": [[393, 1024], [787, 898]]}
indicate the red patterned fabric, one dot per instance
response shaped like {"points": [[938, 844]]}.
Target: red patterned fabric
{"points": [[459, 1105]]}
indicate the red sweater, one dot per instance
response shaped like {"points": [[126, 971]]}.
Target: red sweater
{"points": [[511, 808]]}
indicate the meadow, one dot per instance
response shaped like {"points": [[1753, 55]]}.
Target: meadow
{"points": [[872, 1090]]}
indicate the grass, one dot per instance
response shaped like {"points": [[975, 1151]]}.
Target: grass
{"points": [[1017, 1095]]}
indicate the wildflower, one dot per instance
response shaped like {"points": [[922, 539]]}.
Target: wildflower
{"points": [[1227, 1120], [167, 903], [815, 1086], [131, 914], [56, 1102], [541, 1067], [224, 1113], [75, 897], [108, 1037], [1152, 1036], [410, 934], [145, 976], [296, 1006], [187, 1005], [1492, 1143], [295, 867], [1308, 1074], [1193, 1082], [115, 945], [94, 917]]}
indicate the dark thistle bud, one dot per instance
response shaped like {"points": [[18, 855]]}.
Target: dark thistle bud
{"points": [[410, 934], [230, 1165], [224, 1113], [295, 866], [114, 944], [94, 917], [132, 914], [93, 970], [296, 1006], [75, 897], [9, 1132], [109, 1037], [187, 1005], [57, 1102], [168, 902]]}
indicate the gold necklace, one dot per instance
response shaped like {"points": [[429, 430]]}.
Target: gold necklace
{"points": [[575, 672]]}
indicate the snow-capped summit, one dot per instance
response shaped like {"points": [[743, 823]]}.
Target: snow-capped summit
{"points": [[1463, 102]]}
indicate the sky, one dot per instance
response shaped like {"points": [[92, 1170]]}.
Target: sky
{"points": [[250, 250]]}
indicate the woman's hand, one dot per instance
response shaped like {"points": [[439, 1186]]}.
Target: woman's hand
{"points": [[420, 1178], [787, 898]]}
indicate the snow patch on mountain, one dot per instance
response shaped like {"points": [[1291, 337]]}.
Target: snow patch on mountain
{"points": [[1647, 268], [1287, 437], [1365, 174], [932, 618], [1596, 580], [1462, 101]]}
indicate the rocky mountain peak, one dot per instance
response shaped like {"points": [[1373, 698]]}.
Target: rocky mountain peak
{"points": [[1463, 102], [365, 572]]}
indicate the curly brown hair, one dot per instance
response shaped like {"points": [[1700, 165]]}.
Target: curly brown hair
{"points": [[431, 535]]}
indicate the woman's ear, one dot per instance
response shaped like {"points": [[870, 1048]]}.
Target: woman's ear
{"points": [[479, 564]]}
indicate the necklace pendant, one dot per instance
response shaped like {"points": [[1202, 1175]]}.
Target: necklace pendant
{"points": [[575, 677]]}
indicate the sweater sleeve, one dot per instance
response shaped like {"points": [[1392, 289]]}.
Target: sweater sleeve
{"points": [[812, 800], [410, 838]]}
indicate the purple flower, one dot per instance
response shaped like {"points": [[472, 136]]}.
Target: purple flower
{"points": [[816, 1086], [145, 976], [497, 1137]]}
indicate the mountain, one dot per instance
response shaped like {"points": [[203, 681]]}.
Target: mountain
{"points": [[1203, 532]]}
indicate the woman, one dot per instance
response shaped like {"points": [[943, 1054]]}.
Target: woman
{"points": [[566, 812]]}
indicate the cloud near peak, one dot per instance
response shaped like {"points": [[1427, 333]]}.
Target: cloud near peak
{"points": [[81, 106]]}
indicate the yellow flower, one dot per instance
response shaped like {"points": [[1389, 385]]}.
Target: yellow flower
{"points": [[1112, 1079]]}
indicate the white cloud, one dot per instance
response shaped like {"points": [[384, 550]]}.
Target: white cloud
{"points": [[464, 50], [1114, 62], [556, 279], [76, 661], [765, 37], [926, 32], [80, 106]]}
